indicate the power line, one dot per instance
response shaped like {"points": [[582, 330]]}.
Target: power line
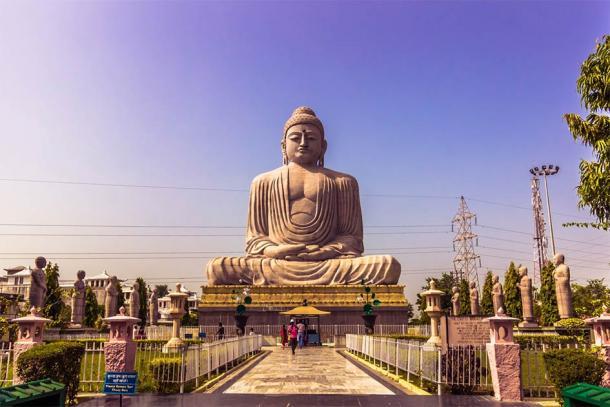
{"points": [[73, 225], [185, 235]]}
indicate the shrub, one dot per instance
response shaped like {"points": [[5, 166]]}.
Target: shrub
{"points": [[565, 367], [420, 338], [571, 326], [166, 374], [59, 361]]}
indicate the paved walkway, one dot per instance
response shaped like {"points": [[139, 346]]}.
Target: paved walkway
{"points": [[312, 370]]}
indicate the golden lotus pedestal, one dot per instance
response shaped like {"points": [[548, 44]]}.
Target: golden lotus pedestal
{"points": [[218, 303]]}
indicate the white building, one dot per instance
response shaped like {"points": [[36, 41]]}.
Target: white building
{"points": [[16, 281], [164, 302]]}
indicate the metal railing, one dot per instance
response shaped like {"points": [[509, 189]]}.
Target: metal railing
{"points": [[463, 367], [6, 364], [327, 332]]}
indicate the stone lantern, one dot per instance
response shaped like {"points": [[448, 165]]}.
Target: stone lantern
{"points": [[31, 333], [601, 332], [434, 311], [504, 357], [175, 313], [120, 350]]}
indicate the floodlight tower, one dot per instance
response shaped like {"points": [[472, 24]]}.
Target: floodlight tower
{"points": [[465, 260], [544, 171]]}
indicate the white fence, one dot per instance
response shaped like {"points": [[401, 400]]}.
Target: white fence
{"points": [[328, 332], [6, 364], [188, 366], [465, 367]]}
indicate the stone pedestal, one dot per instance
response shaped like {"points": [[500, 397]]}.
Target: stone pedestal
{"points": [[432, 297], [120, 350], [218, 305], [31, 333], [601, 333], [528, 324], [175, 313], [504, 358]]}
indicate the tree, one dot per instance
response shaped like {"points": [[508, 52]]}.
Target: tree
{"points": [[143, 291], [464, 288], [593, 85], [91, 308], [512, 295], [487, 307], [549, 313], [53, 303], [444, 283], [589, 299], [162, 290]]}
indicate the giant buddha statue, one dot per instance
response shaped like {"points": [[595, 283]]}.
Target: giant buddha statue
{"points": [[304, 222]]}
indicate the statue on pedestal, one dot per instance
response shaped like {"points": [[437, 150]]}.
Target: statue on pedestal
{"points": [[134, 300], [474, 299], [38, 283], [153, 307], [78, 299], [563, 291], [527, 298], [304, 222], [112, 293], [455, 301], [497, 295]]}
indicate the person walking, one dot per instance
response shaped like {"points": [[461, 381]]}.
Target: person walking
{"points": [[293, 332], [283, 336], [220, 333], [301, 334]]}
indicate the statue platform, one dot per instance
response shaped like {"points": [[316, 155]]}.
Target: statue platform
{"points": [[218, 304]]}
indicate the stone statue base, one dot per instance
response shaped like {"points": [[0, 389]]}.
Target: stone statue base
{"points": [[217, 303], [527, 324]]}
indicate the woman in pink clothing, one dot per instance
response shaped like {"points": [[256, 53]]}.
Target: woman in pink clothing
{"points": [[293, 332]]}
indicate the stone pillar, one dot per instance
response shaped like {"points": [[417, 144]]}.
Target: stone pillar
{"points": [[175, 313], [432, 297], [31, 333], [120, 350], [504, 358], [601, 332]]}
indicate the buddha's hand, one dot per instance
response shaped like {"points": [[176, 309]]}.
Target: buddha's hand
{"points": [[283, 250], [324, 253]]}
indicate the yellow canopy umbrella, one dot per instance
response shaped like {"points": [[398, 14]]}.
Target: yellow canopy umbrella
{"points": [[306, 311]]}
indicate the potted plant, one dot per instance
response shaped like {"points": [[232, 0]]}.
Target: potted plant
{"points": [[242, 299], [370, 303]]}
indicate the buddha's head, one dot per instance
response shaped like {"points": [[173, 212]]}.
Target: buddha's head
{"points": [[495, 279], [40, 262], [473, 284], [303, 142], [522, 271], [80, 274]]}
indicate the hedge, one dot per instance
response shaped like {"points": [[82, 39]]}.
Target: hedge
{"points": [[565, 367], [59, 361], [420, 338], [166, 374], [528, 341]]}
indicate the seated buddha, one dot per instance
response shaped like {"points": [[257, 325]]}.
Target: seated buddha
{"points": [[304, 222]]}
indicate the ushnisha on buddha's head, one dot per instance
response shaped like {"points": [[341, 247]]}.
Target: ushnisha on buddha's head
{"points": [[303, 142]]}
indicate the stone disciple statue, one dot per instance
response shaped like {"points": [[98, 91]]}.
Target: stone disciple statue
{"points": [[497, 295], [153, 307], [527, 298], [110, 301], [455, 301], [134, 300], [304, 221], [38, 285], [561, 274], [474, 299], [78, 299]]}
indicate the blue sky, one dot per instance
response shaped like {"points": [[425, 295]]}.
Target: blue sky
{"points": [[418, 98]]}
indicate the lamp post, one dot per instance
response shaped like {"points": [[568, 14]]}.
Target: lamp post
{"points": [[545, 171]]}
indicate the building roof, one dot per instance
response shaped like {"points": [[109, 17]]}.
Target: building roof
{"points": [[15, 269], [101, 276]]}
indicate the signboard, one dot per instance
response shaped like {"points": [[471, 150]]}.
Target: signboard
{"points": [[464, 330], [120, 382]]}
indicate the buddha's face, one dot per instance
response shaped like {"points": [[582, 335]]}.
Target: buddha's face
{"points": [[304, 144]]}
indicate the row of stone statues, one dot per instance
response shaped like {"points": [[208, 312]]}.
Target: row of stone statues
{"points": [[38, 289], [563, 292]]}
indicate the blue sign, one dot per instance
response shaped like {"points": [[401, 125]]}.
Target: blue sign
{"points": [[120, 383]]}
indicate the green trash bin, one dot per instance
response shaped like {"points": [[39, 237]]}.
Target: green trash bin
{"points": [[585, 395], [39, 393]]}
